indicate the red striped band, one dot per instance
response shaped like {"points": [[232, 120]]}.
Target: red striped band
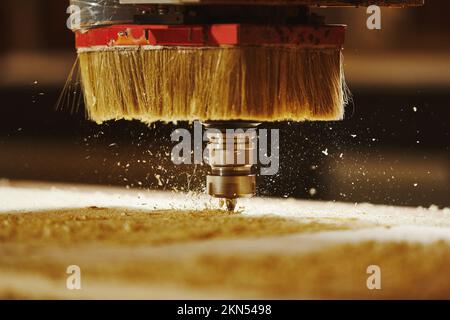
{"points": [[212, 35]]}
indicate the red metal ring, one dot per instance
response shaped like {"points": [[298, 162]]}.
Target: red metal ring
{"points": [[212, 35]]}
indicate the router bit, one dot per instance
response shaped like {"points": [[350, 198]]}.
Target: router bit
{"points": [[232, 149]]}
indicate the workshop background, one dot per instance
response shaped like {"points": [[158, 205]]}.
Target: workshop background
{"points": [[392, 148]]}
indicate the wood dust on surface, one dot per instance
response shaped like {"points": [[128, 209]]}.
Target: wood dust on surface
{"points": [[207, 254], [128, 227]]}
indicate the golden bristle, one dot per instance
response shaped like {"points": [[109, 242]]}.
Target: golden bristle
{"points": [[248, 83]]}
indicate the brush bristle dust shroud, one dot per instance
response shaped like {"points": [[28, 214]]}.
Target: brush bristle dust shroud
{"points": [[229, 64], [263, 60], [208, 71]]}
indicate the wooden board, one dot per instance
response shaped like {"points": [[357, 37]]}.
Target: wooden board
{"points": [[136, 244]]}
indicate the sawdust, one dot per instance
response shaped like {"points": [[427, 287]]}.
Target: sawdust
{"points": [[134, 254], [408, 272], [122, 226]]}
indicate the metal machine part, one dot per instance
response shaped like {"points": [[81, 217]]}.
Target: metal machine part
{"points": [[96, 13], [232, 144], [197, 14], [232, 150], [107, 24]]}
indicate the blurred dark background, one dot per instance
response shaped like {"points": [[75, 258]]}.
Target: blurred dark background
{"points": [[392, 148]]}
